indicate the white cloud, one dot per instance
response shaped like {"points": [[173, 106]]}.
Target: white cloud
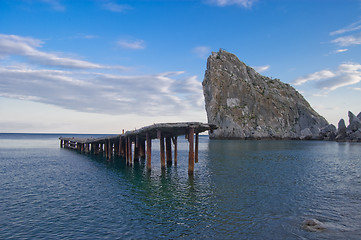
{"points": [[242, 3], [341, 50], [13, 45], [114, 7], [314, 77], [350, 28], [89, 87], [137, 44], [261, 68], [201, 51], [357, 89], [347, 40], [346, 74], [55, 4], [162, 94]]}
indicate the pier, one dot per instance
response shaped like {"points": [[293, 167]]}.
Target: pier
{"points": [[133, 145]]}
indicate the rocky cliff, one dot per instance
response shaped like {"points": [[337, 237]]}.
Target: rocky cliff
{"points": [[247, 105]]}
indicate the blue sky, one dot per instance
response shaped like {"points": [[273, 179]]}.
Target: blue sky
{"points": [[100, 66]]}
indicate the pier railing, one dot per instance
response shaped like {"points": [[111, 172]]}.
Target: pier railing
{"points": [[136, 144]]}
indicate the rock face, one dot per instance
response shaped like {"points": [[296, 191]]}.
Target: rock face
{"points": [[246, 105], [313, 225], [352, 132]]}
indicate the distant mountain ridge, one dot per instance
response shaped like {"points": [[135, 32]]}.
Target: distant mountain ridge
{"points": [[246, 105]]}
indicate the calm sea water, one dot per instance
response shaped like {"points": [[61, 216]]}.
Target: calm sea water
{"points": [[240, 190]]}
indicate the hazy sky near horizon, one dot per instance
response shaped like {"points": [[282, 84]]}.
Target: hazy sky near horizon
{"points": [[100, 66]]}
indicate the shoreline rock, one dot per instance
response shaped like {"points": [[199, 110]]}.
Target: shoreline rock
{"points": [[351, 133], [246, 105]]}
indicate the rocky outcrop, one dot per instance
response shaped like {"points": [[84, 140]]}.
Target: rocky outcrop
{"points": [[352, 132], [313, 225], [246, 105], [328, 133]]}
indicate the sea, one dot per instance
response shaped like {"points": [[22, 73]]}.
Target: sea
{"points": [[239, 190]]}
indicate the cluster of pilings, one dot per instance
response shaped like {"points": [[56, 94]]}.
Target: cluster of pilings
{"points": [[137, 144]]}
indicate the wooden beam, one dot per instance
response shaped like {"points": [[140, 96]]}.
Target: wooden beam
{"points": [[122, 142], [142, 149], [191, 151], [168, 149], [106, 149], [126, 151], [196, 148], [110, 149], [162, 154], [175, 149], [87, 147], [120, 146], [116, 148], [149, 151], [130, 151], [136, 148], [94, 149]]}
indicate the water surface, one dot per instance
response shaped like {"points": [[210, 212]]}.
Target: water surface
{"points": [[240, 190]]}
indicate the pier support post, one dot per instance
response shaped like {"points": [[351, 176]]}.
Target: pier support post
{"points": [[136, 148], [95, 148], [110, 149], [101, 148], [126, 151], [162, 154], [168, 149], [191, 151], [149, 152], [116, 149], [130, 151], [87, 145], [106, 149], [175, 149], [122, 146], [142, 149], [61, 143], [196, 148]]}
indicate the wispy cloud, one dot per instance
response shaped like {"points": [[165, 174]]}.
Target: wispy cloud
{"points": [[201, 51], [136, 44], [324, 74], [13, 45], [327, 80], [341, 50], [158, 94], [347, 40], [261, 68], [115, 7], [55, 4], [350, 28], [90, 87], [242, 3]]}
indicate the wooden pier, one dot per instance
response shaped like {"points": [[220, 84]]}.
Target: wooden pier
{"points": [[136, 144]]}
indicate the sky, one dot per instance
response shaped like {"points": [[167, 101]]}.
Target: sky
{"points": [[100, 66]]}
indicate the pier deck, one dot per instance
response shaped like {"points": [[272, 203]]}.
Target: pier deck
{"points": [[139, 142]]}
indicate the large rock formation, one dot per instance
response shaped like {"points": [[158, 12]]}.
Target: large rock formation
{"points": [[247, 105]]}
